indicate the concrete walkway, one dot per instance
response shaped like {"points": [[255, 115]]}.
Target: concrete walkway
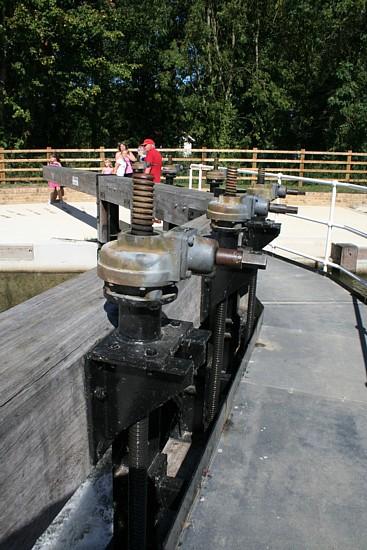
{"points": [[42, 237], [290, 470], [310, 238]]}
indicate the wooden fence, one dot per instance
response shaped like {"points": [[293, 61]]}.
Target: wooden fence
{"points": [[22, 167]]}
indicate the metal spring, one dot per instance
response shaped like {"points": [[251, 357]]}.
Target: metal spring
{"points": [[142, 205], [231, 181]]}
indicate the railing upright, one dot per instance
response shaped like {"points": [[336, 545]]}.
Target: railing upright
{"points": [[349, 165], [330, 224], [101, 156], [2, 166], [254, 164], [301, 166]]}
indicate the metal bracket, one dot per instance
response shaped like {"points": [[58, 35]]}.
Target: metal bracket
{"points": [[125, 380]]}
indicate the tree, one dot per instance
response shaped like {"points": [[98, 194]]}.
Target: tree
{"points": [[61, 68], [265, 73]]}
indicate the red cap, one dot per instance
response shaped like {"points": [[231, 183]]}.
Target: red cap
{"points": [[148, 141]]}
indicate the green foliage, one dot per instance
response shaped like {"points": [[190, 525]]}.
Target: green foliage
{"points": [[265, 73], [61, 66]]}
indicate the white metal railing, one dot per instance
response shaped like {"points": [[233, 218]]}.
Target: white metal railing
{"points": [[329, 222], [201, 168]]}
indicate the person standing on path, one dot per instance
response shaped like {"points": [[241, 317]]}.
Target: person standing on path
{"points": [[108, 168], [153, 160], [57, 190], [123, 160]]}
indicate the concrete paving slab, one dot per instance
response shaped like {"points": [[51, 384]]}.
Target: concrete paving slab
{"points": [[296, 285], [322, 363], [38, 223], [311, 335], [289, 474]]}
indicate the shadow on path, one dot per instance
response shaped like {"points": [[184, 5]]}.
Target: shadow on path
{"points": [[77, 214], [362, 332]]}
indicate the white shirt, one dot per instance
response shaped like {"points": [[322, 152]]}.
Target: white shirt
{"points": [[121, 167]]}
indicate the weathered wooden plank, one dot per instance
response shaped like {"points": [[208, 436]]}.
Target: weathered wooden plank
{"points": [[176, 451], [178, 205], [80, 180], [43, 440], [172, 204], [43, 429], [175, 205], [43, 437], [70, 311], [115, 189]]}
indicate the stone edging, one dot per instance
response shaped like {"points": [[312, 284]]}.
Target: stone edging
{"points": [[351, 200], [25, 195]]}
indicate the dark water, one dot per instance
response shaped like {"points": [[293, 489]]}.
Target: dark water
{"points": [[18, 287]]}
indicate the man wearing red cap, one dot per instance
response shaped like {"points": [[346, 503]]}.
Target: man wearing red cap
{"points": [[153, 159]]}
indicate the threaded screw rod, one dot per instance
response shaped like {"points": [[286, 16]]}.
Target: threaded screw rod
{"points": [[138, 484], [218, 344], [231, 181], [142, 205], [250, 319]]}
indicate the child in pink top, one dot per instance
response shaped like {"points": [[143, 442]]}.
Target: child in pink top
{"points": [[57, 190], [107, 169]]}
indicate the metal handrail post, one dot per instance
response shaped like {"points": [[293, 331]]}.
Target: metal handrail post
{"points": [[330, 227], [190, 177], [200, 177]]}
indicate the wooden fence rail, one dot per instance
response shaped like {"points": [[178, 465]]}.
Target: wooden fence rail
{"points": [[24, 166]]}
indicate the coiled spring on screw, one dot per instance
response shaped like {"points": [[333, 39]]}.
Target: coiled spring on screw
{"points": [[231, 181], [142, 207], [261, 176]]}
